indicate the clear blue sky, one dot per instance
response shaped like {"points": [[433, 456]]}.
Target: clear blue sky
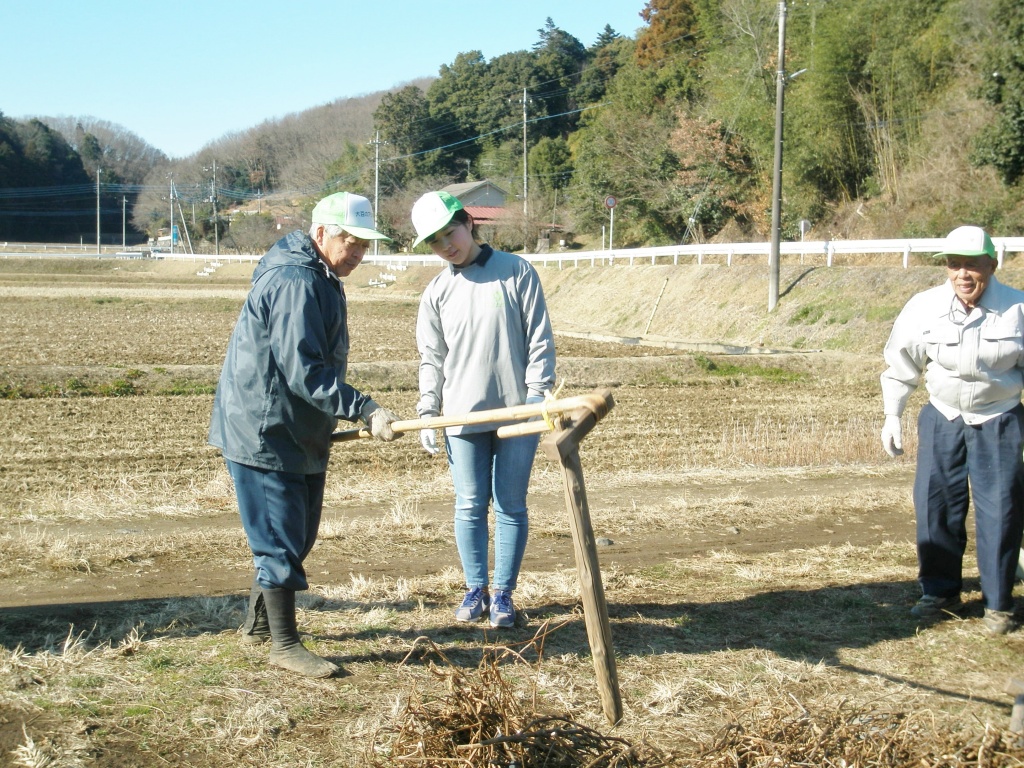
{"points": [[182, 73]]}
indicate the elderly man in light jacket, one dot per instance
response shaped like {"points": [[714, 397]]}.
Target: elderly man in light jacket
{"points": [[965, 339]]}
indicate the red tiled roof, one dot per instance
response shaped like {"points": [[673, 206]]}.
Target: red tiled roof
{"points": [[485, 214]]}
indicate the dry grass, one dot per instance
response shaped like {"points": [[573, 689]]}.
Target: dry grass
{"points": [[733, 651], [169, 678], [788, 734]]}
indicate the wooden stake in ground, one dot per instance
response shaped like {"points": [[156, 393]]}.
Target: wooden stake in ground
{"points": [[573, 418], [563, 446], [1015, 687]]}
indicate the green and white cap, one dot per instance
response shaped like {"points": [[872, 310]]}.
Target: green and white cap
{"points": [[353, 213], [967, 241], [431, 214]]}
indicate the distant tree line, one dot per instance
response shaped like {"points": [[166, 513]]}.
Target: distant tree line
{"points": [[48, 176], [901, 119]]}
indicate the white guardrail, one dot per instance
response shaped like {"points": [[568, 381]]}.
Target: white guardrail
{"points": [[816, 251], [824, 250]]}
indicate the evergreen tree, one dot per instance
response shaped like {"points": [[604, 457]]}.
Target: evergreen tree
{"points": [[559, 60], [604, 59], [606, 37], [550, 163], [408, 131]]}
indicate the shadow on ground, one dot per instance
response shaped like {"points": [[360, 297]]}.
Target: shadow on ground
{"points": [[812, 626]]}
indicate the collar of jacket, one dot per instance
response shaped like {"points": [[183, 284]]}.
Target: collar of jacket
{"points": [[479, 261]]}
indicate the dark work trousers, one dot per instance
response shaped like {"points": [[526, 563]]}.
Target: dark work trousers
{"points": [[281, 516], [988, 455]]}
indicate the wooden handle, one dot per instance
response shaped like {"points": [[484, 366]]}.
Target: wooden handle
{"points": [[523, 428], [596, 402]]}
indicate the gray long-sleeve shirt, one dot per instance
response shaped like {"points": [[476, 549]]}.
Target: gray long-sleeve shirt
{"points": [[484, 338]]}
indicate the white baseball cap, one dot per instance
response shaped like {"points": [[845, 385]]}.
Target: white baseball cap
{"points": [[352, 213], [432, 212], [968, 241]]}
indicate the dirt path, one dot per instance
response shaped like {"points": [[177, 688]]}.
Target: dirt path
{"points": [[172, 575]]}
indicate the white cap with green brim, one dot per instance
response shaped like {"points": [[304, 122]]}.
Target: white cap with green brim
{"points": [[352, 213], [967, 241], [431, 214]]}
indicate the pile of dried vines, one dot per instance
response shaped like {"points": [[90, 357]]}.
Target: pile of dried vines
{"points": [[482, 721]]}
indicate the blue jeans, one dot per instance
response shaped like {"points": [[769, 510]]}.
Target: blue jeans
{"points": [[281, 516], [485, 469], [954, 461]]}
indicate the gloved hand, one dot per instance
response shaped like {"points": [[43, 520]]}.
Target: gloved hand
{"points": [[379, 423], [892, 436], [428, 439]]}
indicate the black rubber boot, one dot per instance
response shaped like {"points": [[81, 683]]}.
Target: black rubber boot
{"points": [[256, 629], [286, 649]]}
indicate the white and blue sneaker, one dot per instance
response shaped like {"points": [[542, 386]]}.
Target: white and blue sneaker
{"points": [[474, 605], [503, 614]]}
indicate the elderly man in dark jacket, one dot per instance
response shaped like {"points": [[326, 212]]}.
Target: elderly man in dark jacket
{"points": [[280, 395]]}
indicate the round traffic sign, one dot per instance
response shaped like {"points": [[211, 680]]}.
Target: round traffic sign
{"points": [[610, 201]]}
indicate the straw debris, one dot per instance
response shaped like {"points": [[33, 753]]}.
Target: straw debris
{"points": [[849, 737], [482, 720]]}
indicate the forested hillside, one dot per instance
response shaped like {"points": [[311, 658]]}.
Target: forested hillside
{"points": [[901, 119]]}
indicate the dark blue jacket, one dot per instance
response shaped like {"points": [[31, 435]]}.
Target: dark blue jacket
{"points": [[282, 388]]}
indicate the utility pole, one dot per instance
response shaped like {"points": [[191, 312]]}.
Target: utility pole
{"points": [[524, 153], [124, 225], [213, 197], [780, 90], [525, 100], [170, 232], [98, 172], [376, 183]]}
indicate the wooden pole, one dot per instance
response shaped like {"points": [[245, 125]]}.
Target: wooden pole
{"points": [[1015, 687], [493, 416], [563, 446]]}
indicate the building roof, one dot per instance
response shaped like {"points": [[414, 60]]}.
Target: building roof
{"points": [[485, 214], [466, 187]]}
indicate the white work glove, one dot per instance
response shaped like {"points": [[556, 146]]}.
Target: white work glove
{"points": [[379, 421], [428, 439], [892, 436]]}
